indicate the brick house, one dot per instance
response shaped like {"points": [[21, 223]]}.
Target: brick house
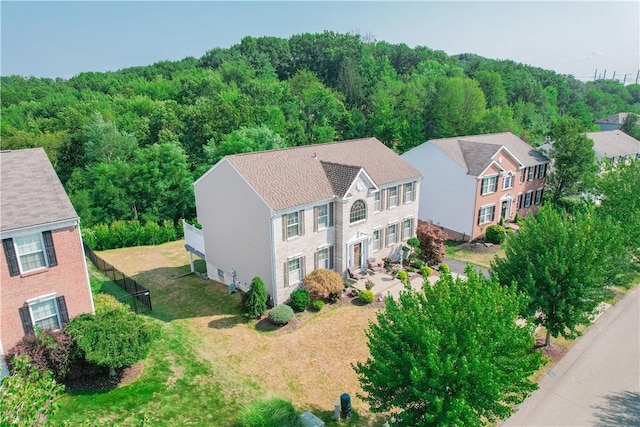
{"points": [[280, 214], [43, 274], [477, 180]]}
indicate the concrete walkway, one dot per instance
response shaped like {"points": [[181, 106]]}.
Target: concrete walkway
{"points": [[385, 283], [597, 383]]}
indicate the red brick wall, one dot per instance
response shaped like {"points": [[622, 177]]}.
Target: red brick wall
{"points": [[68, 279]]}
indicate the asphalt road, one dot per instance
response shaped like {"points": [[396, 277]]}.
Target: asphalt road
{"points": [[597, 383]]}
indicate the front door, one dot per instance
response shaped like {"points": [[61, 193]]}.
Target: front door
{"points": [[357, 255], [504, 211]]}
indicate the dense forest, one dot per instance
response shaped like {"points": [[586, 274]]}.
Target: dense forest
{"points": [[128, 144]]}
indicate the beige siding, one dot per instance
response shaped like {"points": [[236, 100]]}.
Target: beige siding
{"points": [[236, 226]]}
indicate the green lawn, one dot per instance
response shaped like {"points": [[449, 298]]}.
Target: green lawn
{"points": [[482, 259]]}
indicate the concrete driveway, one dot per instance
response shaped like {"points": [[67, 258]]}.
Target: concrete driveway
{"points": [[597, 383]]}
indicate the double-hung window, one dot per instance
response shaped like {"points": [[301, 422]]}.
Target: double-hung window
{"points": [[29, 252], [538, 198], [393, 197], [486, 214], [519, 204], [294, 271], [323, 216], [409, 192], [45, 312], [542, 171], [377, 243], [377, 201], [407, 228], [293, 224], [489, 184], [507, 181], [527, 198], [532, 173], [324, 258], [392, 234], [523, 174]]}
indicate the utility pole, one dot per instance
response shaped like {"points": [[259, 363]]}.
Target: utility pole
{"points": [[614, 75], [637, 76], [595, 75], [604, 76], [625, 79]]}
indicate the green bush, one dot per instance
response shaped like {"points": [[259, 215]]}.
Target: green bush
{"points": [[495, 234], [274, 412], [402, 275], [281, 314], [255, 303], [444, 268], [366, 296], [426, 271], [121, 234], [317, 305], [300, 300]]}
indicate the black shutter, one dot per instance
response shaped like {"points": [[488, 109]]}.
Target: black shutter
{"points": [[62, 309], [48, 246], [331, 209], [12, 260], [493, 213], [331, 258], [25, 316], [479, 212]]}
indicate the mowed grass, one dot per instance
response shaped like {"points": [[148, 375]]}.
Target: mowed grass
{"points": [[483, 259], [211, 361]]}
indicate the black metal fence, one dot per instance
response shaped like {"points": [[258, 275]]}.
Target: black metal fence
{"points": [[139, 298]]}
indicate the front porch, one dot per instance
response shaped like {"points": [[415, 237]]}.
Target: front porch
{"points": [[387, 284]]}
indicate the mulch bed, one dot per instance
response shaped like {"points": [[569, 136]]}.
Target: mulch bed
{"points": [[479, 247], [98, 379]]}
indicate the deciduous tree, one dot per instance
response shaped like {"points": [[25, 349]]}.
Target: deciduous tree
{"points": [[573, 160], [432, 240], [452, 354], [565, 264]]}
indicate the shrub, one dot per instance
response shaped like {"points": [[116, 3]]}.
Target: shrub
{"points": [[426, 271], [368, 285], [366, 296], [113, 338], [269, 413], [255, 303], [300, 300], [105, 302], [444, 268], [281, 314], [47, 350], [432, 242], [495, 234], [324, 284], [317, 304], [402, 275]]}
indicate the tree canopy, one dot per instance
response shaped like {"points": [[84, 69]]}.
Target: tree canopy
{"points": [[566, 265], [310, 88], [450, 355]]}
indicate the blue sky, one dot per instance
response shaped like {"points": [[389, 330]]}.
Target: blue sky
{"points": [[62, 39]]}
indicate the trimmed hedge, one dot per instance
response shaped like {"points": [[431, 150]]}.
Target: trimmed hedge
{"points": [[317, 305], [366, 296], [300, 300], [281, 314], [495, 234]]}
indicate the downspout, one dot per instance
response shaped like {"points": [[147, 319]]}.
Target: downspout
{"points": [[274, 285]]}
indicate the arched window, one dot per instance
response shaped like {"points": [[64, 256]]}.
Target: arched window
{"points": [[358, 211]]}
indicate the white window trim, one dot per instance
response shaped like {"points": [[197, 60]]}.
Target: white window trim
{"points": [[396, 197], [20, 255], [377, 201], [528, 195], [299, 270], [41, 299], [296, 224], [373, 240], [409, 195], [541, 170], [326, 216], [508, 178], [411, 222], [484, 208], [389, 242], [487, 178], [538, 196], [351, 211], [531, 173], [321, 249]]}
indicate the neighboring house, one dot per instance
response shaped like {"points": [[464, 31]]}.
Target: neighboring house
{"points": [[43, 274], [613, 122], [474, 181], [280, 214], [614, 145]]}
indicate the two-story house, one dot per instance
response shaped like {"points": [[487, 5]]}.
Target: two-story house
{"points": [[614, 145], [475, 181], [43, 274], [280, 214]]}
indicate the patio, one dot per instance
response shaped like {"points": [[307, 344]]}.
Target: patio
{"points": [[385, 283]]}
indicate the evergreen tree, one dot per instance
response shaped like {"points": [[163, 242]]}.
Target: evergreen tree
{"points": [[256, 299]]}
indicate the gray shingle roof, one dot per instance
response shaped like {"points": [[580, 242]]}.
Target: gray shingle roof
{"points": [[297, 176], [613, 143], [614, 119], [475, 152], [30, 191]]}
